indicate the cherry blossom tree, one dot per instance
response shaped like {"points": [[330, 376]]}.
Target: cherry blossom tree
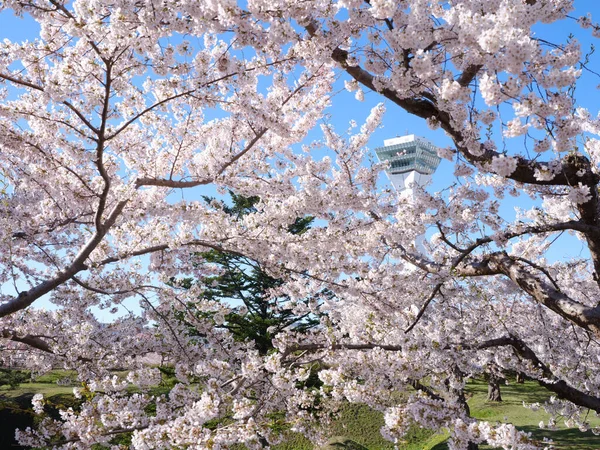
{"points": [[116, 118], [476, 70]]}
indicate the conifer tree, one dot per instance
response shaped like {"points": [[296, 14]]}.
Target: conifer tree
{"points": [[256, 315]]}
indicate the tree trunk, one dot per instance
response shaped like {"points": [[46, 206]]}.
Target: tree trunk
{"points": [[494, 388], [520, 377], [459, 395]]}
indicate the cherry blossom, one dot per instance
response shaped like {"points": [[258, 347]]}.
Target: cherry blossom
{"points": [[119, 116]]}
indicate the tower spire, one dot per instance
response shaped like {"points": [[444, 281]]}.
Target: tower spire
{"points": [[413, 160]]}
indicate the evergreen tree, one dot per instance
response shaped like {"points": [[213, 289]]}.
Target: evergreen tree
{"points": [[256, 316]]}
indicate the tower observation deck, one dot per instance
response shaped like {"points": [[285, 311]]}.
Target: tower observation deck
{"points": [[413, 160]]}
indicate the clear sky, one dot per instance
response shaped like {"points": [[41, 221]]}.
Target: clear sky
{"points": [[397, 122]]}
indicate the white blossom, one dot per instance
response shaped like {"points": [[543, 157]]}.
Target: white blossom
{"points": [[504, 165]]}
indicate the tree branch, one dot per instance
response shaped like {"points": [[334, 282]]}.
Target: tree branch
{"points": [[436, 289], [30, 340], [426, 108], [26, 298], [558, 386], [501, 263]]}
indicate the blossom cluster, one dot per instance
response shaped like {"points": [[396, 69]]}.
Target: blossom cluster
{"points": [[122, 116]]}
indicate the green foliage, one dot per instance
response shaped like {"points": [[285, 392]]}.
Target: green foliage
{"points": [[13, 378], [242, 281], [240, 205], [167, 382]]}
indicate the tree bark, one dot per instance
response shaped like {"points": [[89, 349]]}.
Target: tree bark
{"points": [[494, 388], [459, 395]]}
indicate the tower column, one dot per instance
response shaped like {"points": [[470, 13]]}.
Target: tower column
{"points": [[412, 161]]}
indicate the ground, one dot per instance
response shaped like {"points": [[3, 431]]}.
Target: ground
{"points": [[358, 426]]}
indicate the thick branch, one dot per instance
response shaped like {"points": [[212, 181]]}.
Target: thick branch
{"points": [[469, 74], [100, 148], [559, 387], [32, 341], [501, 263], [426, 107]]}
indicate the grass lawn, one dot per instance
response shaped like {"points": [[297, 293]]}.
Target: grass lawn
{"points": [[361, 425], [511, 408], [45, 384], [35, 388]]}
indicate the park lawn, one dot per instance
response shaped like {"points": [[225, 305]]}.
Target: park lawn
{"points": [[44, 384], [47, 389], [513, 396], [357, 423], [511, 408], [361, 424]]}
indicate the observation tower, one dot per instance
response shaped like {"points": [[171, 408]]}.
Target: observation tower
{"points": [[413, 160]]}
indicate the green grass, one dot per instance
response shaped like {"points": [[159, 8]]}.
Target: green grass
{"points": [[35, 388], [45, 384], [55, 376], [361, 425], [511, 407]]}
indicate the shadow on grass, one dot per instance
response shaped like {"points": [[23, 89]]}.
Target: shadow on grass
{"points": [[17, 412], [14, 413], [569, 439], [341, 442], [440, 446]]}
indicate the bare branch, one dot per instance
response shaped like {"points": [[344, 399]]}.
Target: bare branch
{"points": [[429, 299]]}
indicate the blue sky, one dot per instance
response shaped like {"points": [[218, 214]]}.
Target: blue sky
{"points": [[397, 122]]}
